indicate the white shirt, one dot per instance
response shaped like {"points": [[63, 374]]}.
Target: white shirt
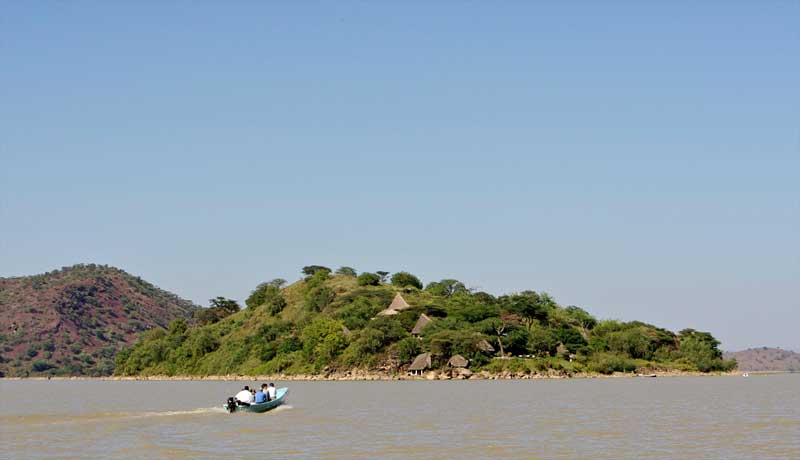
{"points": [[272, 391], [244, 396]]}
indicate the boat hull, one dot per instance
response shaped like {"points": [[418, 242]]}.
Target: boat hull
{"points": [[280, 398]]}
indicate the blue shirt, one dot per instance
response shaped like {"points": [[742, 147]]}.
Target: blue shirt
{"points": [[261, 397]]}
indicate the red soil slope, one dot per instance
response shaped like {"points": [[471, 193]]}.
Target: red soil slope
{"points": [[72, 321]]}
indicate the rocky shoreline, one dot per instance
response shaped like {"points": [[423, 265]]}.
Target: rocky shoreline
{"points": [[373, 376]]}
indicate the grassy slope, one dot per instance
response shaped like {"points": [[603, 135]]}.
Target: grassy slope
{"points": [[254, 342]]}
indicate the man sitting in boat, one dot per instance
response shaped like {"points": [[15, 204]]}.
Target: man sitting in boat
{"points": [[261, 395], [244, 397], [271, 392]]}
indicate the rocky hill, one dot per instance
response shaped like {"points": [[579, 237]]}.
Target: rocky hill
{"points": [[74, 320], [332, 324], [766, 359]]}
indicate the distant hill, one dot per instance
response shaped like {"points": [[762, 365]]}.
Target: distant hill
{"points": [[766, 359], [74, 320]]}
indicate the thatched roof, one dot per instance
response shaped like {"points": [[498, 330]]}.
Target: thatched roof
{"points": [[421, 323], [483, 345], [398, 304], [458, 361], [421, 362]]}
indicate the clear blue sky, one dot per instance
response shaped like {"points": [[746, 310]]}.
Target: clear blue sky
{"points": [[639, 159]]}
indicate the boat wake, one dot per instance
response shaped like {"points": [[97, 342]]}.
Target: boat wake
{"points": [[103, 417], [202, 410]]}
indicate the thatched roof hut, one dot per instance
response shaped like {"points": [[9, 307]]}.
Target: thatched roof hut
{"points": [[420, 363], [421, 323], [483, 345], [398, 304], [458, 361]]}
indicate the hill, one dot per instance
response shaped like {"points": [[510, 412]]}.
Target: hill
{"points": [[766, 359], [74, 320], [329, 324]]}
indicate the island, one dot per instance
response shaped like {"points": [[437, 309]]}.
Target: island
{"points": [[345, 325]]}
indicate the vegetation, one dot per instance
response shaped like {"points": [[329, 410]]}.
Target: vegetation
{"points": [[369, 279], [330, 323], [405, 279], [220, 308], [72, 321]]}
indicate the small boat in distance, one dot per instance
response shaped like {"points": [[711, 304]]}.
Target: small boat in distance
{"points": [[652, 376], [280, 396]]}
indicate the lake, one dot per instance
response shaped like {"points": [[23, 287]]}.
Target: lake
{"points": [[661, 418]]}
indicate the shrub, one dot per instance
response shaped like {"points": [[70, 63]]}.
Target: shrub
{"points": [[358, 313], [496, 366], [608, 363], [323, 339], [368, 342], [32, 351], [41, 366], [319, 298], [517, 366], [407, 349]]}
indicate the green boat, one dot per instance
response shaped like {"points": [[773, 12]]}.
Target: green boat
{"points": [[280, 397]]}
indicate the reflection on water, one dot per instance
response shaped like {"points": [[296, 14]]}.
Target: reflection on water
{"points": [[665, 418]]}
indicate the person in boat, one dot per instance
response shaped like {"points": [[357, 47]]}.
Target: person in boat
{"points": [[272, 393], [261, 395], [244, 397]]}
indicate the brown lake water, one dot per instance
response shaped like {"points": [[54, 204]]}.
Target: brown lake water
{"points": [[662, 418]]}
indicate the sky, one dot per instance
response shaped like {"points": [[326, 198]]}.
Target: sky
{"points": [[638, 159]]}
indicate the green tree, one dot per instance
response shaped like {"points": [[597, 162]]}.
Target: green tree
{"points": [[407, 349], [268, 294], [278, 283], [274, 300], [323, 339], [405, 279], [446, 288], [529, 306], [368, 342], [227, 306], [542, 340], [311, 270], [444, 344], [256, 297], [220, 308], [466, 308], [368, 279], [700, 349], [580, 318], [346, 271]]}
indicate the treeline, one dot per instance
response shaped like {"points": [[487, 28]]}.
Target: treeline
{"points": [[332, 321]]}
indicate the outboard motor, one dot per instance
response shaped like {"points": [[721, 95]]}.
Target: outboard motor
{"points": [[231, 405]]}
